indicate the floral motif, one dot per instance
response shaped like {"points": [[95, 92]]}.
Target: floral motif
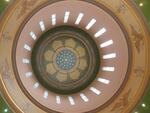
{"points": [[57, 44], [66, 59], [70, 43]]}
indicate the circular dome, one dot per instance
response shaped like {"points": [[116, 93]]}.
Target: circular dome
{"points": [[65, 59], [73, 56], [95, 33]]}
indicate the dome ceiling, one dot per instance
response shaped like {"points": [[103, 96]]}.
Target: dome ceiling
{"points": [[62, 56]]}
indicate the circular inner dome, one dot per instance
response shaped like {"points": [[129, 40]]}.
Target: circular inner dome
{"points": [[65, 59]]}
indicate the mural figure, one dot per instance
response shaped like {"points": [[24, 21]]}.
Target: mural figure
{"points": [[137, 38], [26, 5], [5, 69], [123, 101], [139, 71], [121, 8]]}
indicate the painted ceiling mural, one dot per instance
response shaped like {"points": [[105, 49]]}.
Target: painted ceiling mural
{"points": [[68, 57]]}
